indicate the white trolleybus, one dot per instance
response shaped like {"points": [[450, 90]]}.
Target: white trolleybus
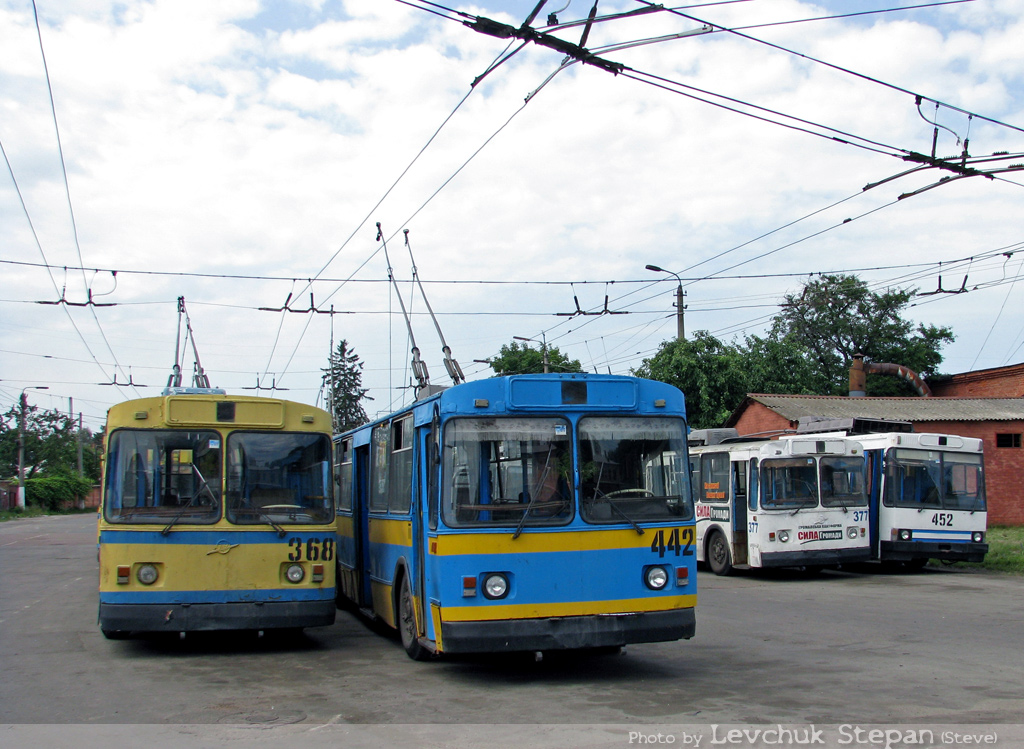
{"points": [[926, 492], [927, 495], [790, 502]]}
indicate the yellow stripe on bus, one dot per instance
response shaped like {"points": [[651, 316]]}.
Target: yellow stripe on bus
{"points": [[197, 567], [381, 593], [387, 531], [345, 526], [503, 543], [578, 608]]}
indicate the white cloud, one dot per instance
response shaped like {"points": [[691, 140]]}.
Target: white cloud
{"points": [[218, 138]]}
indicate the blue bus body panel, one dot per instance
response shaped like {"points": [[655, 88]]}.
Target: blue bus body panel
{"points": [[578, 584]]}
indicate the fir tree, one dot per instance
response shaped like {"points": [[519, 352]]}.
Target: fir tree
{"points": [[343, 380]]}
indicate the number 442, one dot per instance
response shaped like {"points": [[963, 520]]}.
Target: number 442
{"points": [[679, 541]]}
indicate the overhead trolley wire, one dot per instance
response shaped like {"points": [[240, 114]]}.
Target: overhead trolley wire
{"points": [[840, 68], [366, 218], [71, 211], [42, 253]]}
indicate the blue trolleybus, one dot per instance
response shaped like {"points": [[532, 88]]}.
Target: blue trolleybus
{"points": [[522, 513], [217, 513]]}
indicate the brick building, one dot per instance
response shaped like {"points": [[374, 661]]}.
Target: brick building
{"points": [[1001, 382], [999, 422]]}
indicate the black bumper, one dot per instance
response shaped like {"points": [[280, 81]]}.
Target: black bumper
{"points": [[567, 633], [904, 551], [195, 617], [816, 558]]}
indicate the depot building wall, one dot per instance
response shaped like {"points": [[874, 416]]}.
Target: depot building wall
{"points": [[1004, 463]]}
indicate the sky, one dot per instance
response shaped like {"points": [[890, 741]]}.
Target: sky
{"points": [[239, 155]]}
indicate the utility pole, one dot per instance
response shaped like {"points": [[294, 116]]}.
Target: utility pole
{"points": [[680, 306], [543, 347], [21, 442], [81, 468]]}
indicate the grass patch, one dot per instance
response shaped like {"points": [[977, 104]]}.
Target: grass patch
{"points": [[34, 511], [1005, 550], [22, 512]]}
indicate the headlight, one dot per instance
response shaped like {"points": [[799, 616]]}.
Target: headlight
{"points": [[905, 535], [977, 537], [784, 536], [656, 578], [146, 574], [295, 573], [851, 532], [495, 586]]}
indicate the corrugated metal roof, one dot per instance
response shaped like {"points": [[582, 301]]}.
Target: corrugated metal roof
{"points": [[795, 407]]}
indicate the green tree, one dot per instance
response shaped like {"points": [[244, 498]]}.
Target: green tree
{"points": [[51, 444], [515, 359], [777, 365], [56, 493], [343, 382], [837, 316], [711, 374]]}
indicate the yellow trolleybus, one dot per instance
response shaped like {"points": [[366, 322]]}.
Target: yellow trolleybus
{"points": [[217, 513]]}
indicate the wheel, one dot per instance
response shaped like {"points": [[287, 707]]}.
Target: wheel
{"points": [[407, 624], [115, 634], [719, 556]]}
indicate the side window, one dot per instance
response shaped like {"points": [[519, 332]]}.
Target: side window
{"points": [[739, 482], [343, 473], [380, 443], [715, 477], [433, 468], [752, 490], [400, 480]]}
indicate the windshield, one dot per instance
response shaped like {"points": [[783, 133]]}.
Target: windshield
{"points": [[161, 475], [934, 479], [789, 483], [633, 468], [279, 478], [507, 471], [842, 481]]}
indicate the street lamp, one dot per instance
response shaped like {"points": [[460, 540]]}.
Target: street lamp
{"points": [[543, 347], [680, 328], [21, 442]]}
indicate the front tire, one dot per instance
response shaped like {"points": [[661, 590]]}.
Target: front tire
{"points": [[719, 556], [407, 623]]}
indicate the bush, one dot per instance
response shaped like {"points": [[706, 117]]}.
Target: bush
{"points": [[55, 492]]}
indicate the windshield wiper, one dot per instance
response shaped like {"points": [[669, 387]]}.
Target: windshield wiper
{"points": [[839, 498], [534, 493], [974, 504], [193, 498], [280, 531], [627, 518]]}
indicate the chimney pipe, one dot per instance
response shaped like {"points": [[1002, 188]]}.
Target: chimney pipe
{"points": [[860, 368], [858, 378]]}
